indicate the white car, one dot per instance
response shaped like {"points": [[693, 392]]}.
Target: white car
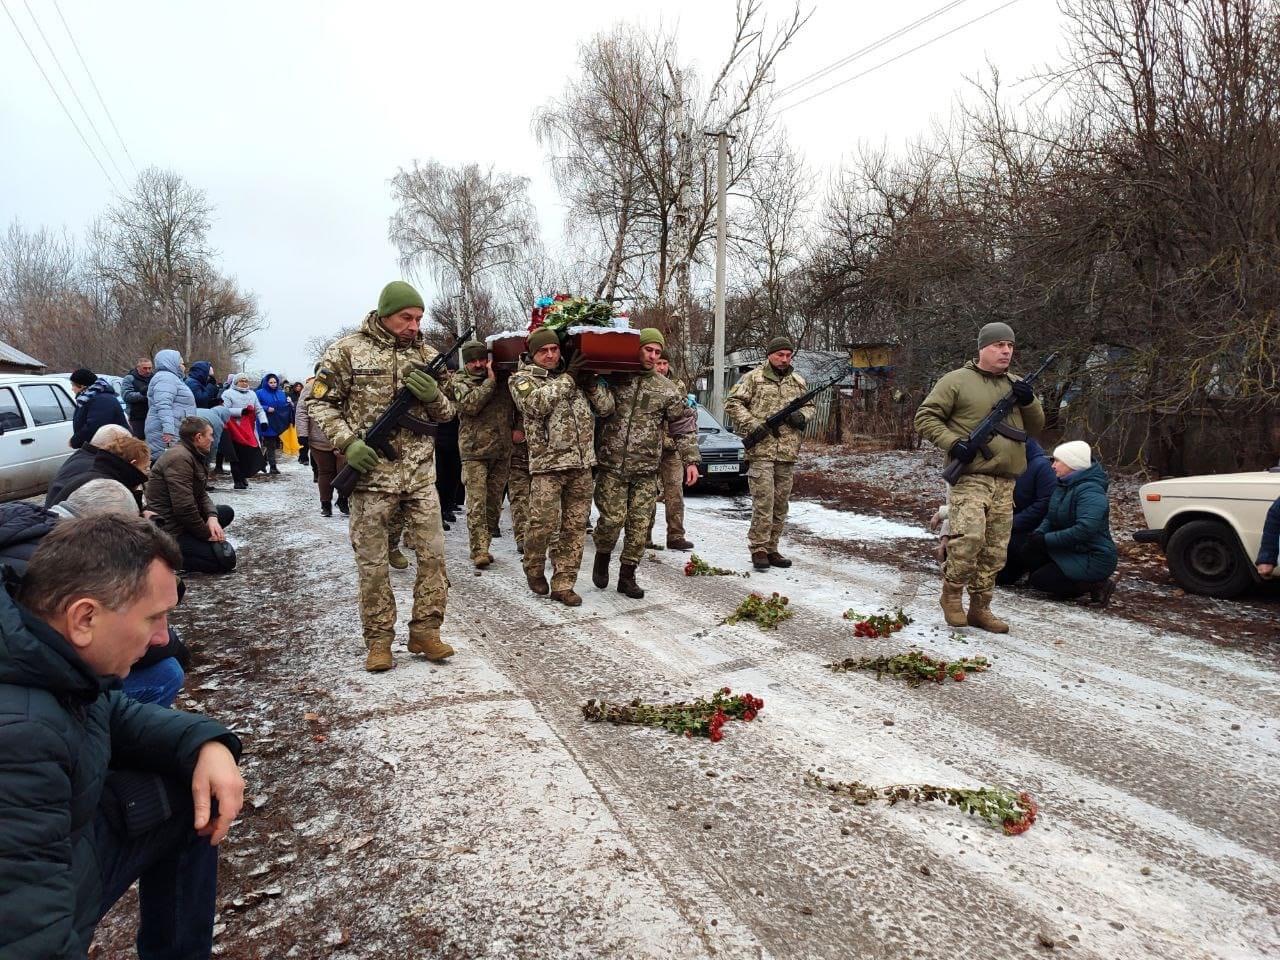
{"points": [[35, 432], [1210, 528]]}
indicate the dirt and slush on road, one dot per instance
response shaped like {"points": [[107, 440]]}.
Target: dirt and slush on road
{"points": [[467, 810]]}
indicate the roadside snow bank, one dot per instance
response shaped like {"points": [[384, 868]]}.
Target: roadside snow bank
{"points": [[825, 522]]}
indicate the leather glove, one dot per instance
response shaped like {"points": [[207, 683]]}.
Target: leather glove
{"points": [[963, 451], [1022, 392], [422, 386], [575, 367], [796, 420], [361, 457]]}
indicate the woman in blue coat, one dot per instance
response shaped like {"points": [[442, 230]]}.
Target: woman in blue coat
{"points": [[279, 410], [1071, 553], [169, 399]]}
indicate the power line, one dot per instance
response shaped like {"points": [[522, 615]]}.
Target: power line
{"points": [[54, 90], [894, 59], [857, 54], [93, 83], [72, 87]]}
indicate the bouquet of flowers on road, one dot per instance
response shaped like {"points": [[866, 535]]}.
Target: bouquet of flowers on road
{"points": [[876, 624], [914, 667], [1012, 811], [766, 614], [695, 566], [701, 718]]}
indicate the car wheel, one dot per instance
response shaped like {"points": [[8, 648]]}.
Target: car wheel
{"points": [[1205, 557]]}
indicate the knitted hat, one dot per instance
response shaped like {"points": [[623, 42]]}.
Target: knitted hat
{"points": [[994, 333], [396, 296], [540, 338], [652, 335], [1074, 453], [474, 350], [782, 342], [83, 378]]}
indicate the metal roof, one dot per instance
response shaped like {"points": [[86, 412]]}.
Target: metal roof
{"points": [[15, 356]]}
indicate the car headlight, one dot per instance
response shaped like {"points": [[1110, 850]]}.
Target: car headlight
{"points": [[742, 453]]}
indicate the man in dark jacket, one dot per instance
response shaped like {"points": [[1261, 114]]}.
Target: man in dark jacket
{"points": [[96, 406], [99, 791], [123, 459], [177, 491], [82, 461], [133, 389], [1031, 493], [204, 386]]}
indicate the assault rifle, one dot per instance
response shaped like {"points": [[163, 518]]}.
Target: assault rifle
{"points": [[396, 416], [992, 424], [771, 424]]}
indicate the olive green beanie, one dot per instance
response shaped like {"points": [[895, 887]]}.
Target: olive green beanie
{"points": [[396, 296], [782, 342], [541, 338], [652, 335], [474, 350], [994, 333]]}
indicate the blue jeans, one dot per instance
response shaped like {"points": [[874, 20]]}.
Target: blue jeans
{"points": [[158, 683], [177, 875]]}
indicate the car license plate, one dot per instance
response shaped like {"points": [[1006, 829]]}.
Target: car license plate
{"points": [[722, 468]]}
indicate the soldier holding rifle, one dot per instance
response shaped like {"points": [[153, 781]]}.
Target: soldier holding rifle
{"points": [[359, 377], [981, 498]]}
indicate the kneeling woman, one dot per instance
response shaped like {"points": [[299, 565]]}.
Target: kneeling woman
{"points": [[1071, 553]]}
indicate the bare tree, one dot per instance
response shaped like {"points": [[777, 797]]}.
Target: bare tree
{"points": [[460, 224]]}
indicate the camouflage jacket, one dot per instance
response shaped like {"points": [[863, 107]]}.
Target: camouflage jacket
{"points": [[647, 408], [559, 417], [669, 444], [486, 416], [758, 396], [359, 376]]}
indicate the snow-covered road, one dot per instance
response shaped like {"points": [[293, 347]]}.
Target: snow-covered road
{"points": [[507, 826]]}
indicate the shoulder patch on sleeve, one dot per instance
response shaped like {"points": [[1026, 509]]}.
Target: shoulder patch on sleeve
{"points": [[524, 387]]}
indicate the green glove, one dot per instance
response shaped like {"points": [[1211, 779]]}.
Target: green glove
{"points": [[422, 386], [575, 365], [361, 457]]}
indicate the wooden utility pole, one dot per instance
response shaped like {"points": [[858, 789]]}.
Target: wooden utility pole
{"points": [[717, 349]]}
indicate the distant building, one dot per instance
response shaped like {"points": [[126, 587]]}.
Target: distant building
{"points": [[13, 360]]}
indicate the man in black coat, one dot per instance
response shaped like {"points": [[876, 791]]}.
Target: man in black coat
{"points": [[81, 462], [99, 791], [133, 389], [96, 406]]}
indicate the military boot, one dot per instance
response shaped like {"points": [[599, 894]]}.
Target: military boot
{"points": [[398, 559], [778, 560], [428, 643], [760, 559], [482, 560], [567, 597], [679, 543], [379, 657], [600, 569], [980, 614], [627, 582], [953, 604], [538, 583]]}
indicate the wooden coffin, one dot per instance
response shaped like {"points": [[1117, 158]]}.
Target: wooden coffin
{"points": [[505, 349], [608, 350]]}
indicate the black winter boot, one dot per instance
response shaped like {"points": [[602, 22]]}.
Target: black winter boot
{"points": [[627, 582], [600, 570]]}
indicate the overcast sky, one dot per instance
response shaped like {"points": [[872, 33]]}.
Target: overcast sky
{"points": [[292, 116]]}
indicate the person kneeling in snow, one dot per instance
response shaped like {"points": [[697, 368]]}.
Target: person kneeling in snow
{"points": [[177, 493], [100, 791]]}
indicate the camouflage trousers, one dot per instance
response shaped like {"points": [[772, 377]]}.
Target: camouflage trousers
{"points": [[559, 503], [395, 529], [981, 519], [671, 478], [373, 514], [485, 480], [770, 482], [625, 504], [518, 482]]}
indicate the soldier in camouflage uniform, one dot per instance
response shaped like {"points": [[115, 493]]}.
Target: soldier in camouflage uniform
{"points": [[358, 378], [647, 407], [981, 514], [485, 413], [756, 397], [671, 476], [559, 409]]}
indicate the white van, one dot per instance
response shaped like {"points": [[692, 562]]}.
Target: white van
{"points": [[35, 432]]}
